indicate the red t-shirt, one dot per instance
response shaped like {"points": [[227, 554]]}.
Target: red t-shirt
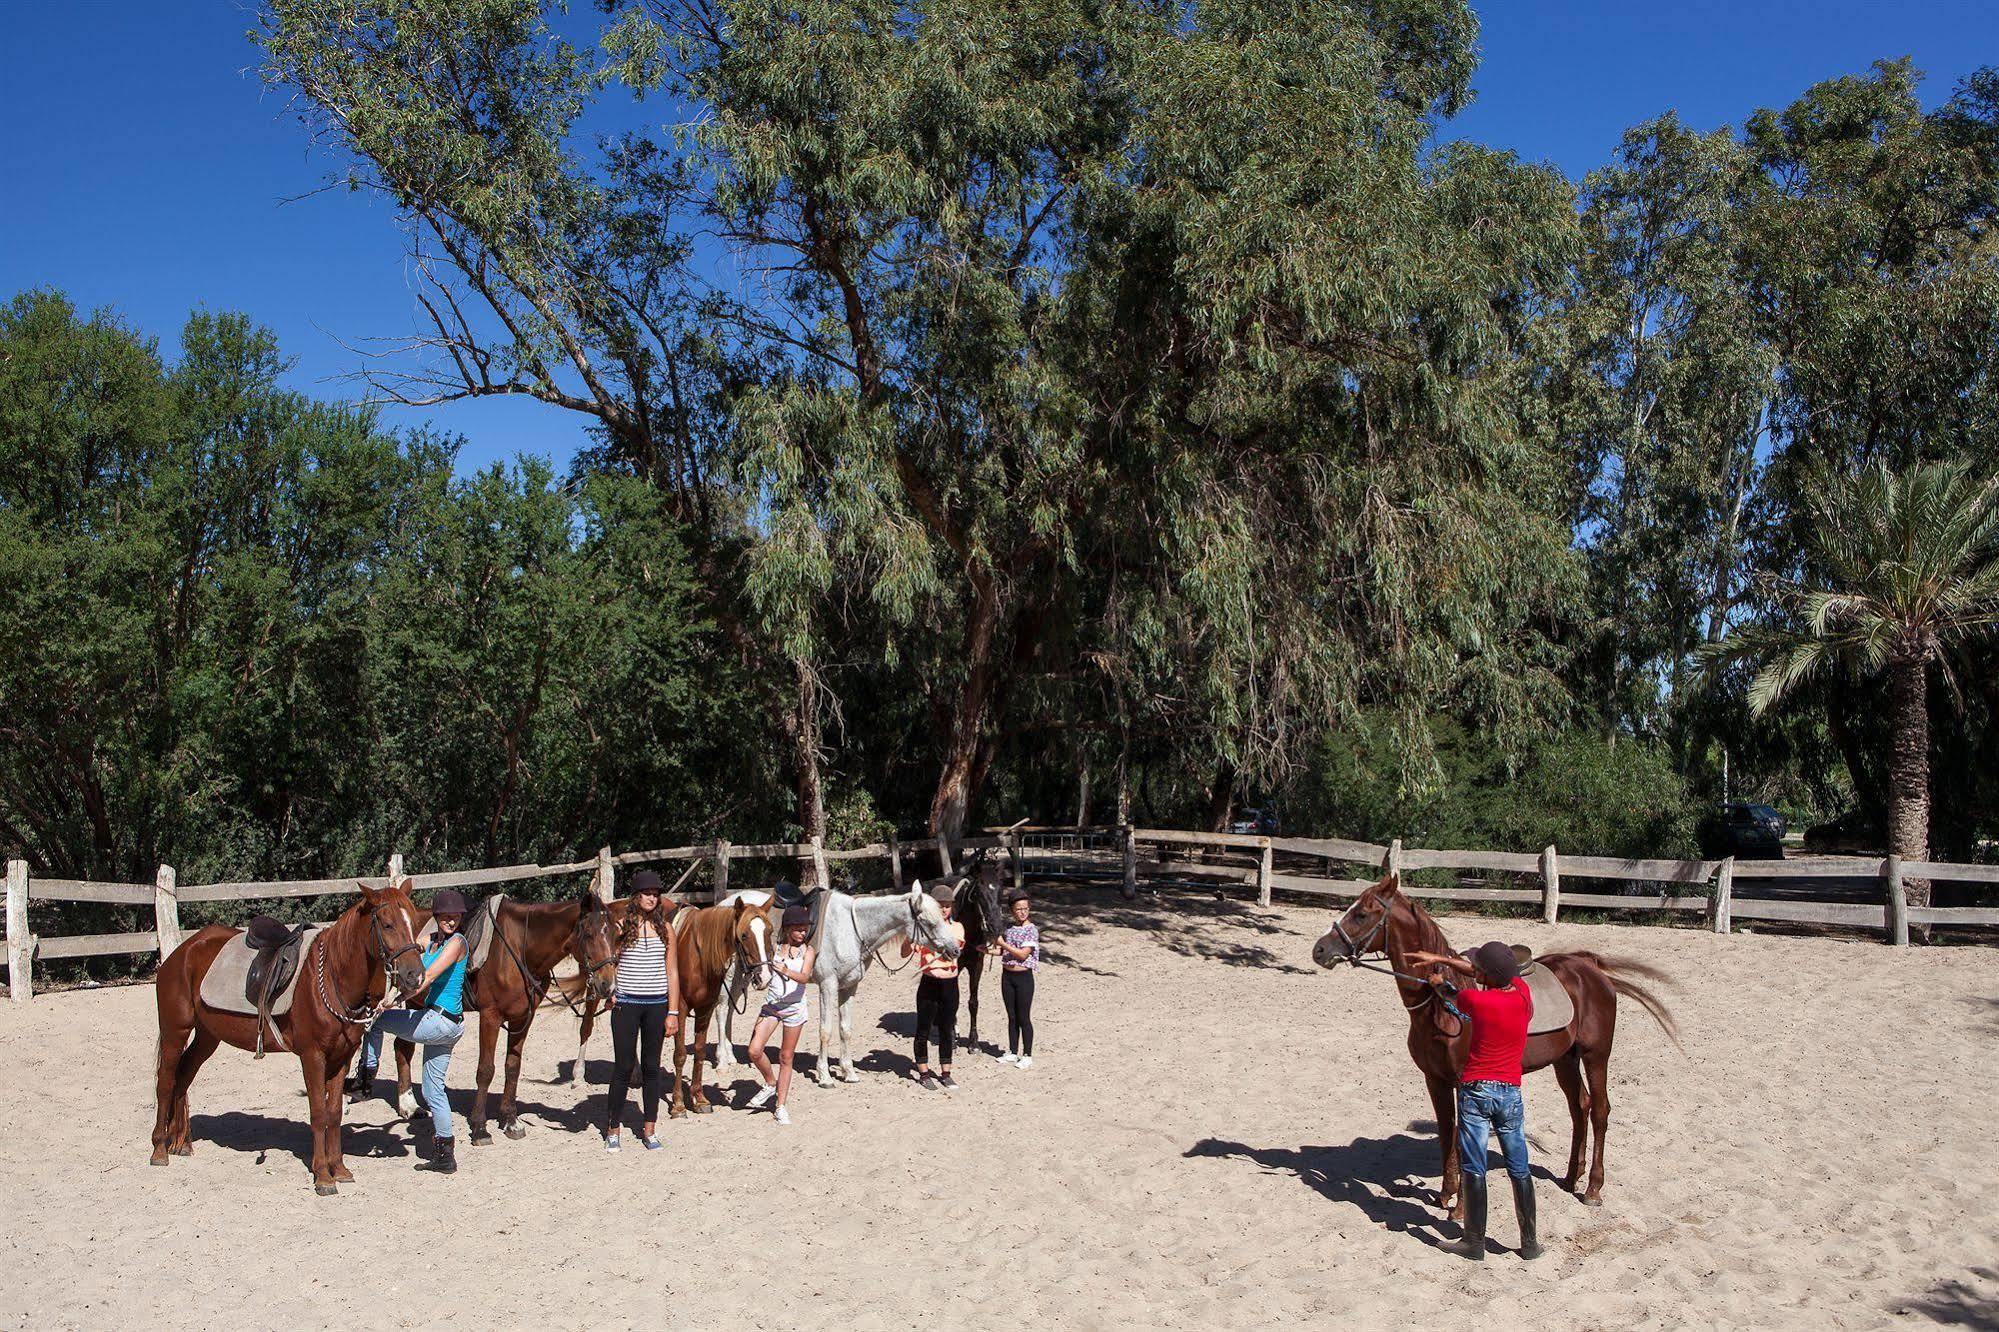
{"points": [[1498, 1032]]}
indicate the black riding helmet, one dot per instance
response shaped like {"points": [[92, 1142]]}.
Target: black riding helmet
{"points": [[647, 881], [1496, 960], [797, 915], [448, 902]]}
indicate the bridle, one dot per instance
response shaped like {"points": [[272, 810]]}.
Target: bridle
{"points": [[756, 974], [1357, 949], [915, 921], [363, 1016], [537, 993]]}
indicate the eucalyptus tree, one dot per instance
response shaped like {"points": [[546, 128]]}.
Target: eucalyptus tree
{"points": [[1903, 575]]}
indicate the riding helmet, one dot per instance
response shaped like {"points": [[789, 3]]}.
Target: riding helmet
{"points": [[448, 902], [797, 915], [1496, 960], [647, 881]]}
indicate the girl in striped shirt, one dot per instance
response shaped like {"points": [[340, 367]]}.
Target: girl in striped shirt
{"points": [[645, 1006]]}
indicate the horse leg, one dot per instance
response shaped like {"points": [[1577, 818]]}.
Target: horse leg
{"points": [[166, 1087], [974, 968], [829, 1016], [583, 1040], [1444, 1100], [1597, 1067], [1569, 1073], [677, 1102], [181, 1142], [697, 1094], [336, 1148], [734, 984], [489, 1037], [405, 1103], [314, 1066], [847, 1069], [510, 1113]]}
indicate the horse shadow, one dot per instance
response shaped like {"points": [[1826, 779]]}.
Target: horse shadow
{"points": [[1959, 1303], [1372, 1175], [249, 1132]]}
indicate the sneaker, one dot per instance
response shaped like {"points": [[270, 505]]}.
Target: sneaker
{"points": [[1026, 1061], [763, 1098], [652, 1142], [1009, 1058], [783, 1115], [611, 1142], [927, 1081], [947, 1082]]}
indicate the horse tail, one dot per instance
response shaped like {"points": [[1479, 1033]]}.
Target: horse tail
{"points": [[1621, 971]]}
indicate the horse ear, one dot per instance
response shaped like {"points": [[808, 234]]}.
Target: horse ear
{"points": [[1391, 882], [915, 887]]}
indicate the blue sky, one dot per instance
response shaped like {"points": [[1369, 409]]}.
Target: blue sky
{"points": [[147, 169]]}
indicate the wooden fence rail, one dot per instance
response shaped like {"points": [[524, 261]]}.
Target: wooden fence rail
{"points": [[1253, 864]]}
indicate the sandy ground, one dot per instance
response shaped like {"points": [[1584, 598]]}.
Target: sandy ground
{"points": [[1215, 1133]]}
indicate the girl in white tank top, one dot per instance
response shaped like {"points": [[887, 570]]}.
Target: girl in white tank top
{"points": [[784, 1009]]}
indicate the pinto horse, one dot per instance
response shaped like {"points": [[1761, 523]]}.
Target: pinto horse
{"points": [[1382, 920], [341, 975], [529, 940]]}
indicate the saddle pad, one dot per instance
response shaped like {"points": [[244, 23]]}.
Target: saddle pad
{"points": [[480, 926], [222, 988], [1553, 1009]]}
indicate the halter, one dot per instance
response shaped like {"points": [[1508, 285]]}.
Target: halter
{"points": [[537, 994], [1356, 949], [915, 919], [757, 975]]}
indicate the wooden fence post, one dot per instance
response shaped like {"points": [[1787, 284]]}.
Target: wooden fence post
{"points": [[20, 944], [395, 868], [1551, 884], [1130, 862], [1263, 872], [1724, 894], [1019, 865], [1391, 864], [607, 886], [819, 863], [721, 870], [895, 862], [166, 910], [1897, 922]]}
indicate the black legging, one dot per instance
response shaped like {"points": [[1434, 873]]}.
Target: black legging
{"points": [[936, 1010], [1017, 992], [637, 1032]]}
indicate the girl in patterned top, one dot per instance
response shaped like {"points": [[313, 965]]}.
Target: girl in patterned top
{"points": [[645, 1006], [1020, 957]]}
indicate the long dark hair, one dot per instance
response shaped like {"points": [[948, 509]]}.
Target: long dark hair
{"points": [[628, 929]]}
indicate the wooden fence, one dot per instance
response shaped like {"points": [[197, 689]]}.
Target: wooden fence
{"points": [[1702, 886], [165, 895]]}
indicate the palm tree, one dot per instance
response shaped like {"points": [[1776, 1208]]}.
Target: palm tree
{"points": [[1908, 571]]}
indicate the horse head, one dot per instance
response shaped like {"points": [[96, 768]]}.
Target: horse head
{"points": [[390, 918], [1363, 927], [594, 943], [927, 928], [751, 930]]}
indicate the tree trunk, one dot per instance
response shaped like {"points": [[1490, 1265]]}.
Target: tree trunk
{"points": [[1909, 767], [801, 724], [1221, 796], [955, 783]]}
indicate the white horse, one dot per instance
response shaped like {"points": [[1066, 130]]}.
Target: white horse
{"points": [[851, 929]]}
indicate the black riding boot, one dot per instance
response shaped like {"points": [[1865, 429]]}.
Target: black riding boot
{"points": [[361, 1085], [1523, 1207], [1472, 1246], [443, 1157]]}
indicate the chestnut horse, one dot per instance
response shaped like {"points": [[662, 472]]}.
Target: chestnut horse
{"points": [[1383, 920], [530, 939], [341, 975], [708, 940]]}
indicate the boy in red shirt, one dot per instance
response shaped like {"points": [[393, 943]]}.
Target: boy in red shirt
{"points": [[1489, 1088]]}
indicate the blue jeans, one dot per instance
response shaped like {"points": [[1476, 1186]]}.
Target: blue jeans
{"points": [[436, 1033], [1485, 1108]]}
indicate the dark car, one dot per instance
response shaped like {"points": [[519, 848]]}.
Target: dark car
{"points": [[1858, 832], [1255, 822], [1743, 830]]}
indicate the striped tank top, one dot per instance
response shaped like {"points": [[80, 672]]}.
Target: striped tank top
{"points": [[642, 971]]}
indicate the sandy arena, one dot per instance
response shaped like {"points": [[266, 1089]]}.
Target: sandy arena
{"points": [[1216, 1133]]}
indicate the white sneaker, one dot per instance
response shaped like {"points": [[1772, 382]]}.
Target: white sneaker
{"points": [[1026, 1061], [762, 1098], [783, 1115], [610, 1142], [1009, 1058]]}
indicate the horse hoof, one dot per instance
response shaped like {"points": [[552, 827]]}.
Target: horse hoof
{"points": [[677, 1112], [514, 1131], [183, 1149], [326, 1190], [1591, 1200], [482, 1140], [159, 1158], [343, 1176]]}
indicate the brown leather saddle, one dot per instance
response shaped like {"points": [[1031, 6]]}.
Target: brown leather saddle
{"points": [[788, 894], [271, 970]]}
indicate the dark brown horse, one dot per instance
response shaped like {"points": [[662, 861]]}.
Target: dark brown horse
{"points": [[708, 940], [530, 939], [976, 907], [342, 973], [1382, 920]]}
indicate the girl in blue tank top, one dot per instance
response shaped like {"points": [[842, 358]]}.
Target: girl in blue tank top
{"points": [[435, 1024]]}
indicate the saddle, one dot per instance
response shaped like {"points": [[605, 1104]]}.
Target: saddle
{"points": [[788, 894], [277, 946], [1553, 1008]]}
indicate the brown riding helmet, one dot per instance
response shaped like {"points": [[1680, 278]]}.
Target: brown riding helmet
{"points": [[448, 902], [1496, 960]]}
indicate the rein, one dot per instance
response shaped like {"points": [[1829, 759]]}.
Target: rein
{"points": [[537, 994], [358, 1017], [1357, 949]]}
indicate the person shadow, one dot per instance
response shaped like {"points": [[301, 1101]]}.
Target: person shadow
{"points": [[1375, 1176]]}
